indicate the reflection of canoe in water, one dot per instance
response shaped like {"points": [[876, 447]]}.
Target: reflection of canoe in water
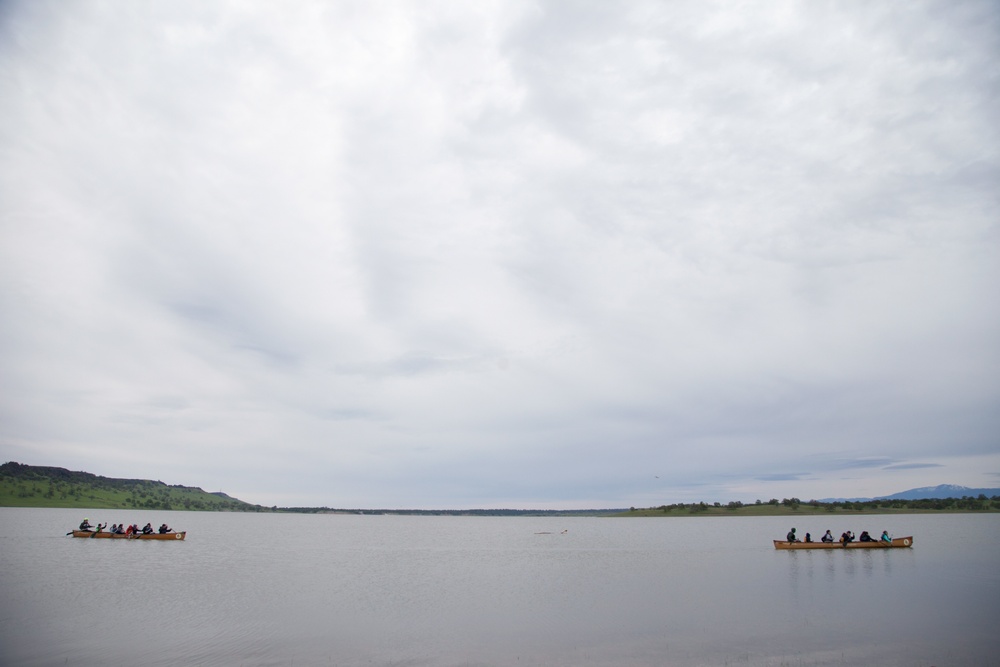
{"points": [[897, 543], [116, 536]]}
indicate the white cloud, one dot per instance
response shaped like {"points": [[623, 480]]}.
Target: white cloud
{"points": [[521, 254]]}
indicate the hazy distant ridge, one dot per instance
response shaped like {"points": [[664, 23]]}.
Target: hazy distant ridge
{"points": [[924, 493]]}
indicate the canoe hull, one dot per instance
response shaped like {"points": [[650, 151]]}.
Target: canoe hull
{"points": [[897, 543], [172, 537]]}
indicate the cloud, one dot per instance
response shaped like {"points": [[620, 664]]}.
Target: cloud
{"points": [[913, 466], [867, 462], [504, 253], [784, 477]]}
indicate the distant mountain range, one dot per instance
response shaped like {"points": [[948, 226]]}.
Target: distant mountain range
{"points": [[923, 493]]}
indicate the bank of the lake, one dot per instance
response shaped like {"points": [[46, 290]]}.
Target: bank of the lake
{"points": [[42, 486], [817, 508]]}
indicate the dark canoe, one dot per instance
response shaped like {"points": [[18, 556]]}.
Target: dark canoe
{"points": [[897, 543], [114, 536]]}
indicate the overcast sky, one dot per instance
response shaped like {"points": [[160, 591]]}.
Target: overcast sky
{"points": [[502, 254]]}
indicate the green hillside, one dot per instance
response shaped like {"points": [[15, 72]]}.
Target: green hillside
{"points": [[40, 486]]}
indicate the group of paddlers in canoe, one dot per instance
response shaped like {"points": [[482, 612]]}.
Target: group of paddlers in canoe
{"points": [[120, 530], [847, 540]]}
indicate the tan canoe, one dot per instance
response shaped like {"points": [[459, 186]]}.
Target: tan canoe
{"points": [[140, 536], [897, 543]]}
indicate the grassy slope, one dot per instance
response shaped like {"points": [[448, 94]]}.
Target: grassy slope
{"points": [[34, 486]]}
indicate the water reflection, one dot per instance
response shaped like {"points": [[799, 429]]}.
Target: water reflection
{"points": [[842, 565], [832, 559]]}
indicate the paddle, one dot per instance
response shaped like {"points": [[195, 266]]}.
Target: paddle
{"points": [[73, 531]]}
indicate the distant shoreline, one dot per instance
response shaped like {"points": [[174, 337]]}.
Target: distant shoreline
{"points": [[747, 511], [989, 507], [42, 486]]}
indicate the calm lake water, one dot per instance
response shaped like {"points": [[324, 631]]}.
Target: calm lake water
{"points": [[385, 590]]}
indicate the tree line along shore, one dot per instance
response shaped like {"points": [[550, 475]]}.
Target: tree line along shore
{"points": [[42, 486], [794, 506]]}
